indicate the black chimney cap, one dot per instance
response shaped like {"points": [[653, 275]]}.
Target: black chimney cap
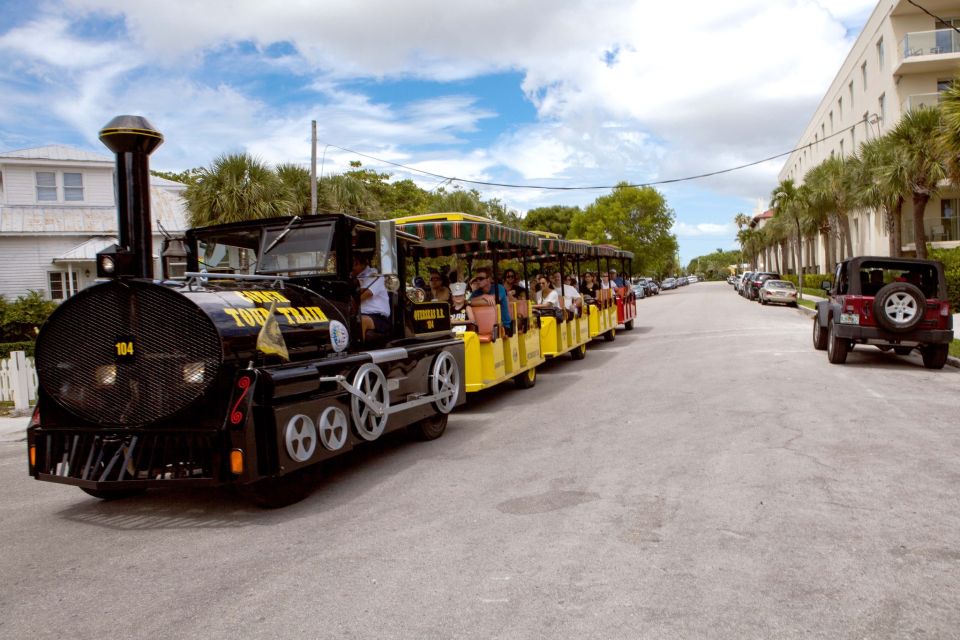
{"points": [[130, 133]]}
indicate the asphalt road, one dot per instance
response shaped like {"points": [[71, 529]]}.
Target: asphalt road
{"points": [[708, 475]]}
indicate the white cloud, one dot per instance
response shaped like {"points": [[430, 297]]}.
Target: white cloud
{"points": [[704, 229]]}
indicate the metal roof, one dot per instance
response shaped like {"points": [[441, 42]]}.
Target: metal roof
{"points": [[56, 153]]}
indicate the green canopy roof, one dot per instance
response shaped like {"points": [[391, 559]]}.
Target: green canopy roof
{"points": [[446, 237]]}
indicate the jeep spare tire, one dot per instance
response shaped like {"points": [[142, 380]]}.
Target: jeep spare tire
{"points": [[899, 306]]}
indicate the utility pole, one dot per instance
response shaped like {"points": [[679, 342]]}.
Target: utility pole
{"points": [[313, 168]]}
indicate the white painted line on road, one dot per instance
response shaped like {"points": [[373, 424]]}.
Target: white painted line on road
{"points": [[494, 600]]}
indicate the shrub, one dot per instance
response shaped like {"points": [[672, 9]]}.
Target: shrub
{"points": [[810, 280], [6, 348], [951, 270], [20, 319]]}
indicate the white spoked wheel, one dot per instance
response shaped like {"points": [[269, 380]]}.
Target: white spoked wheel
{"points": [[300, 437], [370, 413], [332, 425], [445, 382], [901, 308]]}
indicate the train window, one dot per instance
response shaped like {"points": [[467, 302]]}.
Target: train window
{"points": [[303, 251], [223, 257]]}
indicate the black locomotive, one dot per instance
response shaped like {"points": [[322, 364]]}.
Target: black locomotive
{"points": [[246, 364]]}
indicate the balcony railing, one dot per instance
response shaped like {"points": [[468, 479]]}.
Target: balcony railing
{"points": [[927, 43], [920, 100], [942, 230]]}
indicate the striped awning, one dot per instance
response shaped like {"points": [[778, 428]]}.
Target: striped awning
{"points": [[467, 237]]}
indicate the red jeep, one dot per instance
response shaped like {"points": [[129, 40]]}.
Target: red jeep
{"points": [[891, 303]]}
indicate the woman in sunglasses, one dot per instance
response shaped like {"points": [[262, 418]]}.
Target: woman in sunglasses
{"points": [[514, 289]]}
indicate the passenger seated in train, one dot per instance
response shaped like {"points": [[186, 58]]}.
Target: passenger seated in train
{"points": [[374, 301], [439, 291], [572, 300], [590, 288], [460, 312], [489, 292], [548, 300], [515, 290]]}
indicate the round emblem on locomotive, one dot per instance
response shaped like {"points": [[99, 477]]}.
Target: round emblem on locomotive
{"points": [[339, 336]]}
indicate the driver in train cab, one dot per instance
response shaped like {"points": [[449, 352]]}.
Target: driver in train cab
{"points": [[374, 301], [486, 286]]}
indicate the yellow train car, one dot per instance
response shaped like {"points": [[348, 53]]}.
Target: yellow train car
{"points": [[503, 339]]}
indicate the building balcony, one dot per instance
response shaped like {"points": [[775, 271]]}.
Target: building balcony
{"points": [[920, 100], [943, 232], [929, 52]]}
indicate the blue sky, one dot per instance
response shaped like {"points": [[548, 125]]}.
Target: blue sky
{"points": [[533, 93]]}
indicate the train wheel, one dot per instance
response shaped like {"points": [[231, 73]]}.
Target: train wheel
{"points": [[113, 494], [526, 379], [628, 325], [610, 336], [274, 493], [370, 413], [445, 382], [579, 353], [429, 428]]}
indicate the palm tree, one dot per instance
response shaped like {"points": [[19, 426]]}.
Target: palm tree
{"points": [[347, 194], [832, 186], [881, 185], [790, 204], [949, 142], [234, 188], [296, 182], [917, 143]]}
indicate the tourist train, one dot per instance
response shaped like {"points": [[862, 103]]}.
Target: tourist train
{"points": [[252, 358]]}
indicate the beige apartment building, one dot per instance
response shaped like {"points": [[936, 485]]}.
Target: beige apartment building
{"points": [[902, 59]]}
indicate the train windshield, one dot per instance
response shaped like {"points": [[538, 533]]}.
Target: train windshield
{"points": [[298, 250], [228, 253]]}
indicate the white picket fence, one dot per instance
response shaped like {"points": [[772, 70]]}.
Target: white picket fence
{"points": [[18, 381]]}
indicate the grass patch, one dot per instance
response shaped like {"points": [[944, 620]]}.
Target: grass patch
{"points": [[955, 348], [809, 304], [819, 293]]}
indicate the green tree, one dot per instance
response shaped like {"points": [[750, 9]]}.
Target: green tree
{"points": [[187, 177], [633, 218], [296, 184], [882, 185], [555, 219], [833, 184], [236, 187], [20, 319], [918, 143]]}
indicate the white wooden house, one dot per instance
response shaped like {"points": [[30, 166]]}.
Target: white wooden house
{"points": [[58, 209]]}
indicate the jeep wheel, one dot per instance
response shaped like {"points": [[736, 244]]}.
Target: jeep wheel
{"points": [[836, 347], [899, 306], [934, 356], [819, 336], [902, 351]]}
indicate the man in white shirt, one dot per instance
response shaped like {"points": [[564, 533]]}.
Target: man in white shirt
{"points": [[374, 301], [572, 300]]}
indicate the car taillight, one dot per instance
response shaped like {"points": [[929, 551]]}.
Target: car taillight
{"points": [[35, 418], [945, 309]]}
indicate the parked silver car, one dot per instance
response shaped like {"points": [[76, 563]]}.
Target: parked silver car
{"points": [[778, 292]]}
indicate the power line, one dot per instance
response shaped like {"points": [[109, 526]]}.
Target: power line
{"points": [[445, 179]]}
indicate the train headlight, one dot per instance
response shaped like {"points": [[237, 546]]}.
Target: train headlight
{"points": [[193, 372], [392, 283], [107, 264], [106, 375]]}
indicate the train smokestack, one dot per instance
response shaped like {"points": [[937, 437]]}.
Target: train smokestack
{"points": [[133, 139]]}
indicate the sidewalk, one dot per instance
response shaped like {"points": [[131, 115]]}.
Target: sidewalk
{"points": [[13, 429]]}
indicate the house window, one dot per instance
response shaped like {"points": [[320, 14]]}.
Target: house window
{"points": [[880, 53], [46, 186], [73, 187], [863, 72], [882, 102], [58, 284]]}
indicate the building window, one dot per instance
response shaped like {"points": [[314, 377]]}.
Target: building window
{"points": [[882, 103], [841, 148], [58, 284], [46, 186], [949, 229], [816, 141], [863, 72], [823, 131], [880, 54], [866, 125], [840, 107], [73, 187], [850, 87], [853, 139], [831, 122]]}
